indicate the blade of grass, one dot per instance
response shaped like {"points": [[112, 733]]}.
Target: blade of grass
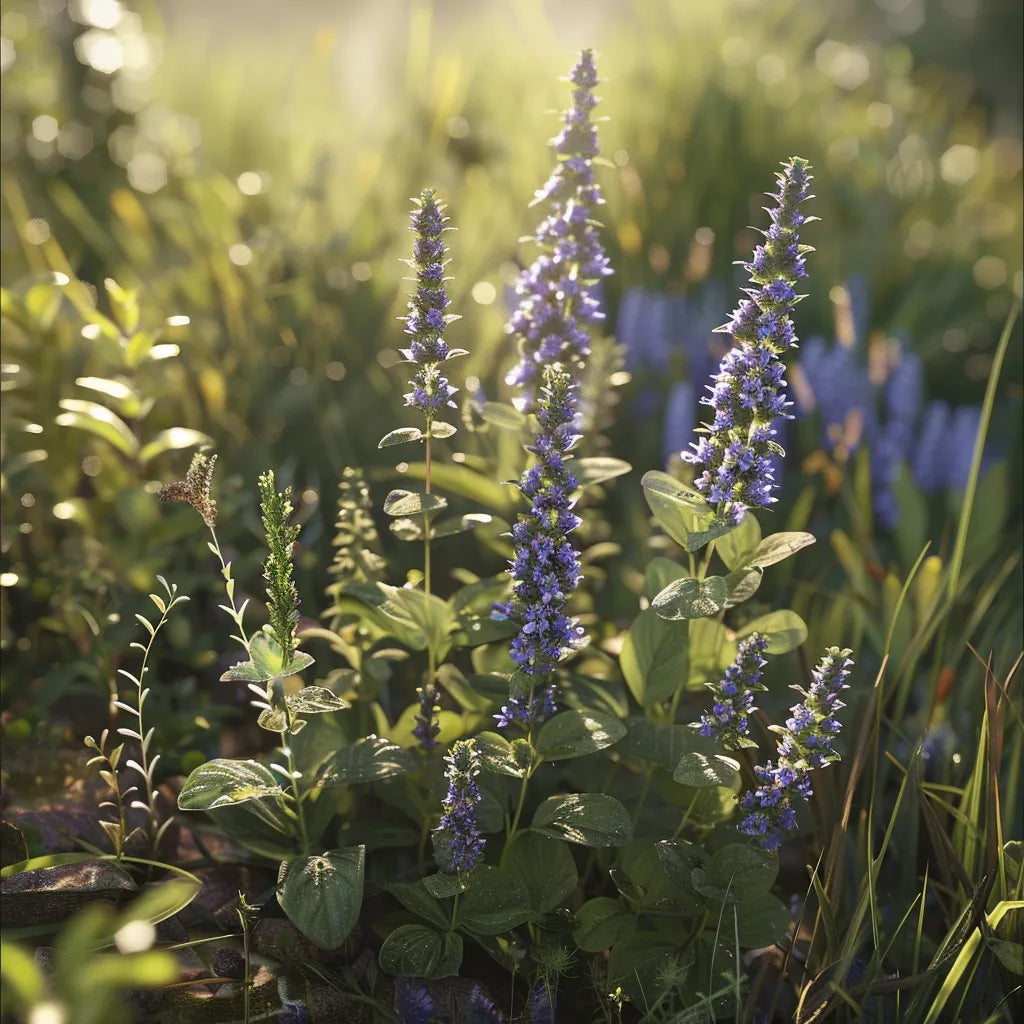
{"points": [[957, 558]]}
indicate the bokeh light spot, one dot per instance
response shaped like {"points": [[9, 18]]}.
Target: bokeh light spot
{"points": [[484, 293]]}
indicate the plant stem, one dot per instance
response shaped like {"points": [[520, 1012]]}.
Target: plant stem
{"points": [[431, 657], [293, 777], [519, 808], [236, 614]]}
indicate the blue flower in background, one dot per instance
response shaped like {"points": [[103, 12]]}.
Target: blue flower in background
{"points": [[427, 726], [413, 1003], [480, 1008], [541, 1005], [558, 293]]}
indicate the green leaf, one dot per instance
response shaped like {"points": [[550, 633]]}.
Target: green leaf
{"points": [[654, 658], [590, 819], [126, 400], [451, 527], [438, 428], [1010, 954], [711, 651], [223, 782], [468, 483], [419, 620], [660, 573], [785, 631], [641, 878], [97, 419], [162, 900], [415, 951], [400, 436], [742, 869], [441, 886], [267, 662], [639, 964], [315, 700], [601, 922], [679, 860], [692, 599], [682, 511], [416, 897], [764, 920], [742, 585], [736, 547], [172, 440], [598, 469], [700, 770], [661, 743], [496, 754], [545, 869], [322, 895], [496, 903], [576, 733], [310, 700], [409, 503], [367, 760], [506, 417], [778, 546]]}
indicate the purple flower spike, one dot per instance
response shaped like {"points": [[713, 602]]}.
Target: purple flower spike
{"points": [[427, 319], [458, 844], [546, 568], [805, 744], [734, 456], [557, 293], [807, 736], [729, 720]]}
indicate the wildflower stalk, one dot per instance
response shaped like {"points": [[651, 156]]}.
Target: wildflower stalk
{"points": [[805, 744], [546, 568], [283, 607], [558, 292], [425, 323], [458, 844], [734, 456]]}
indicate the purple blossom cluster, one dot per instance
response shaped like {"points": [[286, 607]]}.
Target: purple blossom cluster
{"points": [[557, 293], [458, 844], [729, 720], [805, 744], [427, 725], [545, 568], [427, 318], [734, 455], [528, 708]]}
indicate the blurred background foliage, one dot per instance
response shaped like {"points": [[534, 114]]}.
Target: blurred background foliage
{"points": [[242, 172]]}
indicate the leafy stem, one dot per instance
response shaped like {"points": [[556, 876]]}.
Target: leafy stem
{"points": [[145, 767], [236, 612]]}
